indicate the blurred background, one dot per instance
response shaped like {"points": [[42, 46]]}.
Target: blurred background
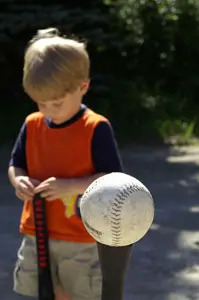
{"points": [[144, 55], [145, 78]]}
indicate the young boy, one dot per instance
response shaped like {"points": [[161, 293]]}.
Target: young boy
{"points": [[59, 151]]}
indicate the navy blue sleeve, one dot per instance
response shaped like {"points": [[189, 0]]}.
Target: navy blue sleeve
{"points": [[105, 153], [18, 155]]}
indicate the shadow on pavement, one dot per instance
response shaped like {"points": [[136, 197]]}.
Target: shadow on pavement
{"points": [[164, 264]]}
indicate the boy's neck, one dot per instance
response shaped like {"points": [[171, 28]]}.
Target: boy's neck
{"points": [[69, 121], [72, 113]]}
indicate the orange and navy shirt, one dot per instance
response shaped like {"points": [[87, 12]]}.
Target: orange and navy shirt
{"points": [[81, 146]]}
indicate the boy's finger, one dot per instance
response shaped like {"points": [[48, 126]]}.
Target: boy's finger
{"points": [[28, 193], [19, 195], [35, 182], [28, 184], [48, 193], [42, 187], [22, 196], [23, 189]]}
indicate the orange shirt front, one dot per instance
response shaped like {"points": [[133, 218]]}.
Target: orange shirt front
{"points": [[63, 153]]}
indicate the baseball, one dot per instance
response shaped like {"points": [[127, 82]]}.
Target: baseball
{"points": [[117, 209]]}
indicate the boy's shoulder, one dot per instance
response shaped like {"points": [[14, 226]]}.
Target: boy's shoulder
{"points": [[35, 116], [89, 118], [92, 117]]}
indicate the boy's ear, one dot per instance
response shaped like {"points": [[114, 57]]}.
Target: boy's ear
{"points": [[84, 86]]}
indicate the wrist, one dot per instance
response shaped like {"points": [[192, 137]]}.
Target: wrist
{"points": [[17, 179], [14, 173]]}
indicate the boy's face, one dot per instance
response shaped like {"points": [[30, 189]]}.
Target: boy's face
{"points": [[64, 108]]}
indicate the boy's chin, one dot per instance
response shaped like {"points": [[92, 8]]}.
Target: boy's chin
{"points": [[57, 121]]}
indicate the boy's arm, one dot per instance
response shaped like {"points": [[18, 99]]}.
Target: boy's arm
{"points": [[17, 170], [18, 155], [14, 172], [105, 152], [17, 164]]}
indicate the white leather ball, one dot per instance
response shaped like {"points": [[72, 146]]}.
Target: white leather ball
{"points": [[117, 209]]}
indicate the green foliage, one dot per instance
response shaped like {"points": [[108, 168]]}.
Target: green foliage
{"points": [[144, 58]]}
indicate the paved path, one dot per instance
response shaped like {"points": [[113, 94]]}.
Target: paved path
{"points": [[165, 263]]}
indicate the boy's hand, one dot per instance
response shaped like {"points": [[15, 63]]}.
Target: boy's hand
{"points": [[24, 187], [52, 188]]}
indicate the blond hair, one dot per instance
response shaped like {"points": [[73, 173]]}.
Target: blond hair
{"points": [[54, 65]]}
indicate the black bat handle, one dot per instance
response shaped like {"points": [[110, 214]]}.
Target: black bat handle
{"points": [[45, 285], [113, 262]]}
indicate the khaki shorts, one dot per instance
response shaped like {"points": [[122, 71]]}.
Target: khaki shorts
{"points": [[74, 266]]}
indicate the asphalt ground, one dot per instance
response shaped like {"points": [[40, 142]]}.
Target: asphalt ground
{"points": [[164, 265]]}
